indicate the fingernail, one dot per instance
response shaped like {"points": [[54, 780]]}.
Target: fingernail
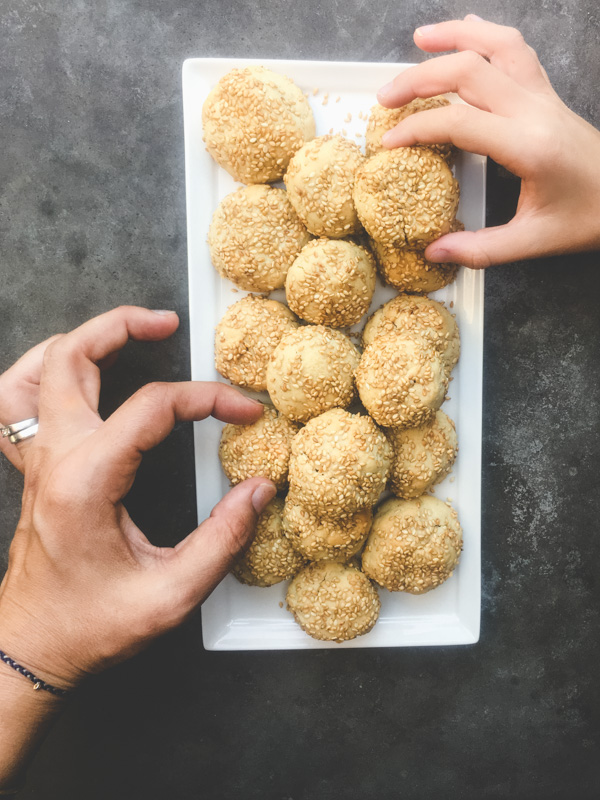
{"points": [[262, 496], [385, 90], [386, 139], [439, 255], [256, 402], [424, 30], [473, 18], [162, 311]]}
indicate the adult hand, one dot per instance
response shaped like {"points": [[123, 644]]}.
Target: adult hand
{"points": [[84, 587], [515, 117]]}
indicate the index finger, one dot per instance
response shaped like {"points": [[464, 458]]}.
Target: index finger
{"points": [[113, 452], [473, 78], [465, 127], [505, 48], [70, 380], [20, 384]]}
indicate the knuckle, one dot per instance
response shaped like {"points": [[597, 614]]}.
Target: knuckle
{"points": [[58, 496], [543, 145], [125, 310], [477, 257], [153, 394], [478, 260], [470, 61], [457, 115], [60, 354], [55, 350], [514, 37], [457, 111]]}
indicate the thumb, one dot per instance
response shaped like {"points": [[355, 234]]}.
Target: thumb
{"points": [[204, 557], [479, 249]]}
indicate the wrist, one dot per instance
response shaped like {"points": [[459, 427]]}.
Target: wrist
{"points": [[37, 683], [20, 689], [33, 646]]}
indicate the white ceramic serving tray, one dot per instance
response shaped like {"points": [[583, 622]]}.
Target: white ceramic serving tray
{"points": [[237, 617]]}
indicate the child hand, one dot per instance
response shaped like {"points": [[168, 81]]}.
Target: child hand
{"points": [[515, 117]]}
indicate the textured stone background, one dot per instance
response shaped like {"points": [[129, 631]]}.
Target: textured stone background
{"points": [[92, 215]]}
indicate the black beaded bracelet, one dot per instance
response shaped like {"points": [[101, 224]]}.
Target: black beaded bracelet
{"points": [[38, 683]]}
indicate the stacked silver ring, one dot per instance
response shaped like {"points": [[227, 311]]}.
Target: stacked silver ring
{"points": [[20, 430]]}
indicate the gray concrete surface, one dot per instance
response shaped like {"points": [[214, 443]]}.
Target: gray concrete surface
{"points": [[92, 215]]}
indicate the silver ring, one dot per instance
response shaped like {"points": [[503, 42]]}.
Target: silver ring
{"points": [[20, 430]]}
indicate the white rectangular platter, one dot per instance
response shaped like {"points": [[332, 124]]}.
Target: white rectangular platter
{"points": [[237, 617]]}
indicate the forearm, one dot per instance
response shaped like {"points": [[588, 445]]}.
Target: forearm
{"points": [[25, 717]]}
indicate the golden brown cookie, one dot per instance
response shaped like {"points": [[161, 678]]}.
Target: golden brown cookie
{"points": [[423, 456], [420, 315], [409, 271], [270, 558], [254, 120], [320, 181], [254, 237], [340, 464], [322, 538], [331, 282], [333, 602], [310, 371], [414, 545], [246, 337], [260, 449], [401, 379], [406, 197]]}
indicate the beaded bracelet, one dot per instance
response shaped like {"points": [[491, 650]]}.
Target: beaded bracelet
{"points": [[38, 683]]}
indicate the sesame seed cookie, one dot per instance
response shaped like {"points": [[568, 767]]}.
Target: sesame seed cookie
{"points": [[331, 282], [320, 181], [423, 456], [247, 335], [254, 237], [270, 558], [254, 120], [322, 538], [406, 197], [310, 371], [333, 602], [409, 271], [417, 314], [401, 379], [340, 464], [414, 545], [262, 448], [383, 119]]}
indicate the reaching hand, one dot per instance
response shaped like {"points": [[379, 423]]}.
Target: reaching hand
{"points": [[84, 587], [515, 117]]}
